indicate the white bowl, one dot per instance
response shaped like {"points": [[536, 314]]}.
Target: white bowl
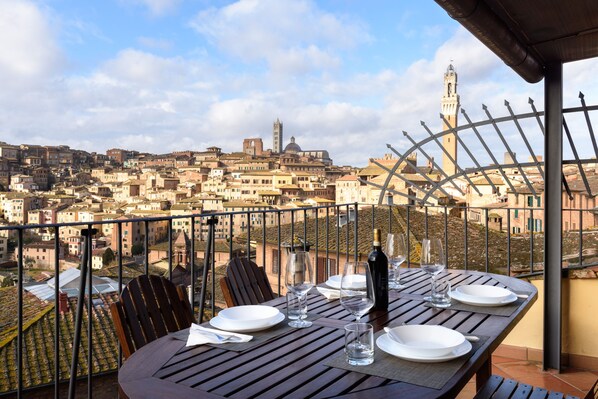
{"points": [[426, 341], [484, 293], [249, 316]]}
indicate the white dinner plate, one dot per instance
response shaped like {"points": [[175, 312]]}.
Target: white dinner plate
{"points": [[484, 293], [334, 281], [470, 300], [357, 281], [249, 316], [226, 325], [386, 344]]}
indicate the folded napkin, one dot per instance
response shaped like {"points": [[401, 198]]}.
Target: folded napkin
{"points": [[199, 335], [329, 293]]}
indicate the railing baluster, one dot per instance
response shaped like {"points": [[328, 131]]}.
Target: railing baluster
{"points": [[426, 221], [264, 226], [192, 267], [338, 235], [465, 244], [355, 233], [170, 248], [407, 210], [508, 242], [486, 216], [278, 261], [146, 245], [446, 245], [230, 235], [580, 238], [348, 210], [89, 314], [327, 241], [56, 311], [531, 240], [249, 236], [20, 315]]}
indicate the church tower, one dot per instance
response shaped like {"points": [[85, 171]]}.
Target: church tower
{"points": [[450, 106], [277, 137]]}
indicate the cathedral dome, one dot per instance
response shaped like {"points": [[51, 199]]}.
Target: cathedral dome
{"points": [[292, 147]]}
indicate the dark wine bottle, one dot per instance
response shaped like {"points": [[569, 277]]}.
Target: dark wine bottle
{"points": [[379, 268]]}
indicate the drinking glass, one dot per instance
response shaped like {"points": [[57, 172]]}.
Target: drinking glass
{"points": [[300, 279], [359, 344], [441, 293], [357, 289], [432, 259], [396, 251]]}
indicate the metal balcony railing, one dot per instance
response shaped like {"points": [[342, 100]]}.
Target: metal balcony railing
{"points": [[35, 346]]}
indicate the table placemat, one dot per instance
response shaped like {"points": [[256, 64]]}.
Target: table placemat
{"points": [[506, 310], [259, 337], [429, 375]]}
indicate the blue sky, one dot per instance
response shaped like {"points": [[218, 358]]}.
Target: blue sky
{"points": [[169, 75]]}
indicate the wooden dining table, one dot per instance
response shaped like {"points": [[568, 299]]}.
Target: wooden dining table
{"points": [[296, 363]]}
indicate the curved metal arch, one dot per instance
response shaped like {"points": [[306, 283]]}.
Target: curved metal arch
{"points": [[461, 172]]}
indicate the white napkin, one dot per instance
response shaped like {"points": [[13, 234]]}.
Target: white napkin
{"points": [[199, 335], [329, 293]]}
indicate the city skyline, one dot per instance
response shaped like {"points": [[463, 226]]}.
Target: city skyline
{"points": [[168, 75]]}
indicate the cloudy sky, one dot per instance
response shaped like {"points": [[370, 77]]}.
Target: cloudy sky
{"points": [[165, 75]]}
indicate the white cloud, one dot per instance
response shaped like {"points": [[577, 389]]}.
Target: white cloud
{"points": [[149, 71], [153, 43], [291, 36], [156, 7], [29, 50]]}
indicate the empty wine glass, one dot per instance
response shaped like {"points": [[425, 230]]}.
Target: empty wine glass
{"points": [[432, 260], [300, 279], [396, 251], [357, 289]]}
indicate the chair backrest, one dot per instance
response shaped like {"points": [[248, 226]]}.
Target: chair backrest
{"points": [[245, 283], [593, 392], [149, 308]]}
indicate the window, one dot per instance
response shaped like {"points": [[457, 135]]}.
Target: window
{"points": [[530, 225], [538, 201], [516, 213], [530, 200]]}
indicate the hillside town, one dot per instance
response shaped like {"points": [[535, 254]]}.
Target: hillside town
{"points": [[54, 184]]}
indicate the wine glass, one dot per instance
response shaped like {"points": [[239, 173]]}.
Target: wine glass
{"points": [[432, 259], [357, 289], [396, 251], [300, 279]]}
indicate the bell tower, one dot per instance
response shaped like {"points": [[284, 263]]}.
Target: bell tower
{"points": [[450, 106], [277, 137]]}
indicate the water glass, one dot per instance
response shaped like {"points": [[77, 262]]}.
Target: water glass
{"points": [[300, 278], [441, 289], [396, 251], [297, 309], [432, 259], [357, 289], [359, 344]]}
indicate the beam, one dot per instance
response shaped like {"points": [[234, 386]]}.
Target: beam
{"points": [[553, 151], [490, 29]]}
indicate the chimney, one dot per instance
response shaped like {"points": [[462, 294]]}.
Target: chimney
{"points": [[63, 302]]}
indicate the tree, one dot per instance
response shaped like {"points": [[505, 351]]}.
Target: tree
{"points": [[108, 256], [29, 262], [137, 249]]}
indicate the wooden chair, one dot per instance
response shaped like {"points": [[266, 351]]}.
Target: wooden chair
{"points": [[149, 308], [245, 283], [498, 387]]}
